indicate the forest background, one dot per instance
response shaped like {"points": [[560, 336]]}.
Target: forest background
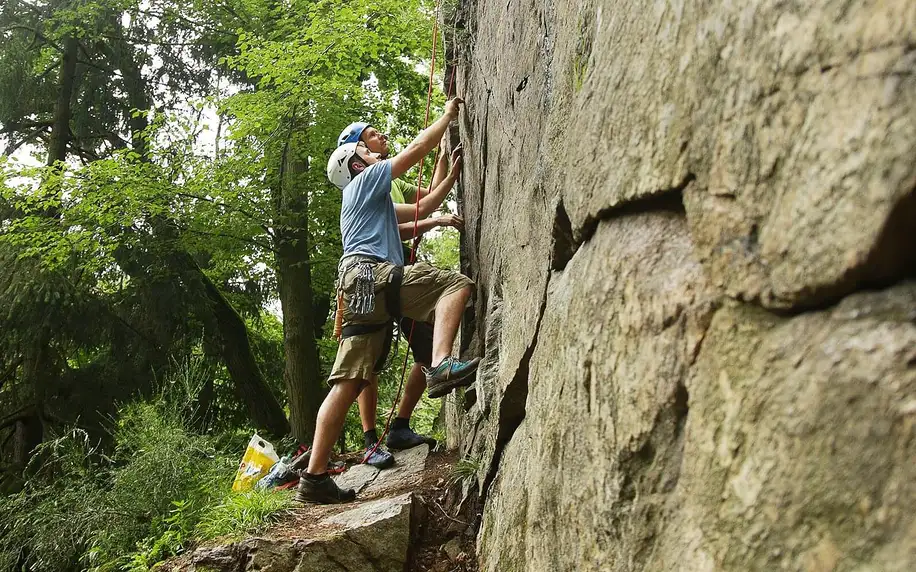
{"points": [[168, 248]]}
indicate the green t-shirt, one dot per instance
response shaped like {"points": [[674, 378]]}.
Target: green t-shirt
{"points": [[402, 192]]}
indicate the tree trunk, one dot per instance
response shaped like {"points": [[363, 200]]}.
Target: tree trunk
{"points": [[232, 335], [60, 130], [304, 385], [37, 374], [37, 367]]}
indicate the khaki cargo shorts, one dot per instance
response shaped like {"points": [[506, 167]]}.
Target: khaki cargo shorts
{"points": [[421, 289]]}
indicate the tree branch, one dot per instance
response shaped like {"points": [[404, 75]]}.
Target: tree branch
{"points": [[194, 25], [20, 415], [141, 42], [19, 126], [38, 35], [83, 153], [15, 145], [10, 371], [251, 241], [230, 208]]}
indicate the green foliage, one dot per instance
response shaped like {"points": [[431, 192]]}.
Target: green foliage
{"points": [[45, 526], [465, 469], [246, 512], [90, 289], [441, 249], [164, 486]]}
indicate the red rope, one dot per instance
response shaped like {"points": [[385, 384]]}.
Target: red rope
{"points": [[416, 221]]}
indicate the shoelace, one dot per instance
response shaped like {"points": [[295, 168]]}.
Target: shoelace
{"points": [[430, 370]]}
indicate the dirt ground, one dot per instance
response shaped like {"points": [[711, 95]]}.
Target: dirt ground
{"points": [[447, 527], [443, 527], [444, 535]]}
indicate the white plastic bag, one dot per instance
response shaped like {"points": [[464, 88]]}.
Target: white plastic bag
{"points": [[259, 457]]}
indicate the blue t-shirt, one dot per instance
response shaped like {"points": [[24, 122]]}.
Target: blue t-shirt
{"points": [[368, 222]]}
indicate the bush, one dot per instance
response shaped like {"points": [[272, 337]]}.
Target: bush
{"points": [[47, 525], [163, 487], [168, 476]]}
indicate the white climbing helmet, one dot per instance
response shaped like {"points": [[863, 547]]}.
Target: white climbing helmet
{"points": [[338, 168]]}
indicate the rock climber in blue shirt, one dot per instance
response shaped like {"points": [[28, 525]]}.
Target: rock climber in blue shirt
{"points": [[375, 287]]}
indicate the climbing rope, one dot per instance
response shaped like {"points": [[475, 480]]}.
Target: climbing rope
{"points": [[416, 221]]}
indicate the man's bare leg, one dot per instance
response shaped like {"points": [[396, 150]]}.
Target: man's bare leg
{"points": [[448, 317], [330, 422], [368, 405], [413, 391]]}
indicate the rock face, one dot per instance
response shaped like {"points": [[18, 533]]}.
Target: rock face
{"points": [[366, 479], [692, 230], [373, 537]]}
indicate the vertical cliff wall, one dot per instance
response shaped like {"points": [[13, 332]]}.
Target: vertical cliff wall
{"points": [[693, 229]]}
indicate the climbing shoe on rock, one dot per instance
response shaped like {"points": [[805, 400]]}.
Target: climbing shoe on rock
{"points": [[322, 489], [449, 374], [405, 438], [380, 458]]}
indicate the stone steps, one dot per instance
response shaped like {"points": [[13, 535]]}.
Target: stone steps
{"points": [[372, 534]]}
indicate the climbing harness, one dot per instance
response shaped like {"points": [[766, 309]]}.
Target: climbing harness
{"points": [[363, 303]]}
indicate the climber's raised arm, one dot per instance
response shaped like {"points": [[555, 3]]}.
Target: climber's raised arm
{"points": [[441, 169], [405, 229], [432, 201], [425, 141]]}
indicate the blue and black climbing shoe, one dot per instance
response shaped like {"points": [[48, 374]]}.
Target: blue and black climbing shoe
{"points": [[380, 458], [322, 489], [449, 374], [405, 438]]}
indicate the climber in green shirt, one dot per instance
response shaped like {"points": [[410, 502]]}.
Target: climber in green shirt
{"points": [[400, 435]]}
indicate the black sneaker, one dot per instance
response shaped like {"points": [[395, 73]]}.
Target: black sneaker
{"points": [[322, 490], [380, 458], [400, 439], [450, 374]]}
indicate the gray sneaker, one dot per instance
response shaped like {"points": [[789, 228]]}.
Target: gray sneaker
{"points": [[406, 438], [450, 374]]}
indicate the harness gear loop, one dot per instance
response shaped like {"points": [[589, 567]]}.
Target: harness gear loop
{"points": [[338, 317]]}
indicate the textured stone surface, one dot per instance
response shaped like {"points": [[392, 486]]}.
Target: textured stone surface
{"points": [[369, 480], [794, 121], [800, 441], [796, 454], [373, 537], [356, 477], [600, 446], [407, 469], [633, 170]]}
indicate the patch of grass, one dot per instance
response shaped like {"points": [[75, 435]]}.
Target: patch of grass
{"points": [[465, 470], [243, 513], [81, 509]]}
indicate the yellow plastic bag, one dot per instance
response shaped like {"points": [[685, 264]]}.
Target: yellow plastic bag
{"points": [[259, 457]]}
